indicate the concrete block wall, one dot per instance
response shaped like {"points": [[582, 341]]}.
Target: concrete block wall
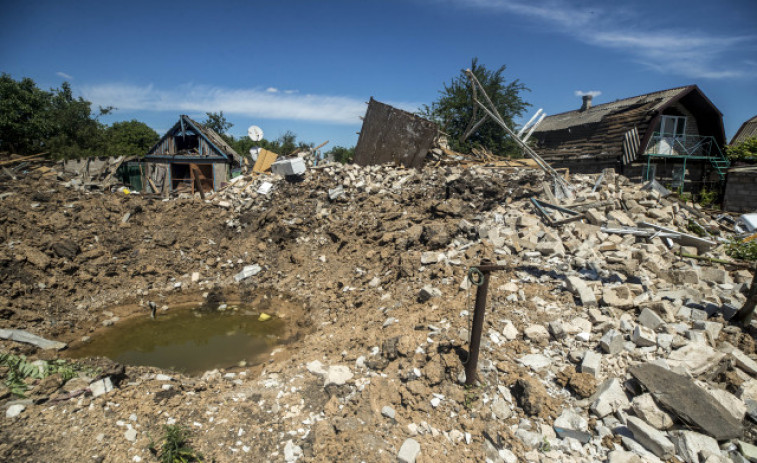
{"points": [[741, 190]]}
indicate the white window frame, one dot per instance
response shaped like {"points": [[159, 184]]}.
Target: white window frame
{"points": [[675, 120]]}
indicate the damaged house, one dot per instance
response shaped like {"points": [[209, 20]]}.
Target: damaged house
{"points": [[675, 136], [189, 155]]}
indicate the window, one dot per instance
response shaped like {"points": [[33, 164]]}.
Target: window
{"points": [[673, 126]]}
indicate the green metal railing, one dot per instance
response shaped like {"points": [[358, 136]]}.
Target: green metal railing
{"points": [[687, 147]]}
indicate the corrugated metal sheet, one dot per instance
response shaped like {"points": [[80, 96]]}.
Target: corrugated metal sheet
{"points": [[393, 135]]}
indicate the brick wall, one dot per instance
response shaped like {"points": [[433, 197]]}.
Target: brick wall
{"points": [[741, 190]]}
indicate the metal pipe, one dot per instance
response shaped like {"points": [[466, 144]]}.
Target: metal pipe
{"points": [[471, 365]]}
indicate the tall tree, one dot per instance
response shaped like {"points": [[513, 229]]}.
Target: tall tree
{"points": [[217, 122], [34, 120], [453, 110], [23, 111], [129, 138], [75, 131]]}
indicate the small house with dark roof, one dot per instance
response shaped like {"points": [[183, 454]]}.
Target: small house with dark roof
{"points": [[747, 130], [189, 150], [662, 134]]}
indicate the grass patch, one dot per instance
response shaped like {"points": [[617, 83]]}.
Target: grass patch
{"points": [[175, 446]]}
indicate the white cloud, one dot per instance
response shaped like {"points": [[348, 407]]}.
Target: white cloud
{"points": [[593, 93], [272, 90], [64, 75], [677, 50], [258, 103]]}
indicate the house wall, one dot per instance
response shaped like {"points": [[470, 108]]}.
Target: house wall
{"points": [[220, 175], [693, 181], [741, 190]]}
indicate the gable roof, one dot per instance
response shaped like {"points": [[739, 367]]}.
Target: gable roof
{"points": [[650, 101], [599, 131], [216, 142], [747, 130]]}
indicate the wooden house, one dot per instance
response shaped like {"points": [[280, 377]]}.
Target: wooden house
{"points": [[663, 135], [188, 155]]}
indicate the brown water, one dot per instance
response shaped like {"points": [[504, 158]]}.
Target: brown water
{"points": [[191, 341]]}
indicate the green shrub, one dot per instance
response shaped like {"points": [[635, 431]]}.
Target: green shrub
{"points": [[744, 251], [174, 446]]}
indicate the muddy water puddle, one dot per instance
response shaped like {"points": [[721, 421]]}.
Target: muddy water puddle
{"points": [[191, 341]]}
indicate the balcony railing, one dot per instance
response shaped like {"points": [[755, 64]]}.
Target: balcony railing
{"points": [[684, 146]]}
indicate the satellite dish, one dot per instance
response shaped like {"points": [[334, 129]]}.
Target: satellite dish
{"points": [[255, 133]]}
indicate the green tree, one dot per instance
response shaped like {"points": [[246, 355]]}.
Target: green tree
{"points": [[217, 122], [34, 120], [23, 122], [342, 154], [744, 150], [453, 111], [75, 132], [129, 138]]}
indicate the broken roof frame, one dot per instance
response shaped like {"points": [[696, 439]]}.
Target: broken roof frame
{"points": [[542, 207], [491, 111]]}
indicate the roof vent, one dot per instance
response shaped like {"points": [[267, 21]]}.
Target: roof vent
{"points": [[586, 102]]}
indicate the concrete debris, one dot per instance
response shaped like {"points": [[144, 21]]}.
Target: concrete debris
{"points": [[695, 357], [609, 398], [14, 410], [690, 445], [689, 402], [591, 363], [337, 375], [645, 408], [652, 439], [409, 451], [247, 272], [612, 342], [643, 336], [101, 387], [287, 167], [580, 289]]}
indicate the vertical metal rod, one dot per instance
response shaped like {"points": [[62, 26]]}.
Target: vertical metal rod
{"points": [[471, 366], [477, 327]]}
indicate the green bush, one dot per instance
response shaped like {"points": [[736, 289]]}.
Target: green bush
{"points": [[746, 150], [174, 447], [744, 251]]}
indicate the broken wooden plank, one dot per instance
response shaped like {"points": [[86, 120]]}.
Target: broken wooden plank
{"points": [[692, 404], [32, 157], [33, 339], [197, 178], [264, 161]]}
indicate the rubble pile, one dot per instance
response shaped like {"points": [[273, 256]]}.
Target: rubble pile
{"points": [[600, 343]]}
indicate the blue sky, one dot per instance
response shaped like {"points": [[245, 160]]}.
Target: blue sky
{"points": [[309, 66]]}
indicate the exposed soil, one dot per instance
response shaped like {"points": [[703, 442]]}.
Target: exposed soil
{"points": [[69, 264]]}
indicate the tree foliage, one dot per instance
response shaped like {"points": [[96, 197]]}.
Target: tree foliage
{"points": [[453, 110], [746, 150], [34, 121], [23, 124], [342, 154], [217, 122], [284, 145], [129, 138]]}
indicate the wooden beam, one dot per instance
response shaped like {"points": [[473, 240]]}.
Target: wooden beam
{"points": [[32, 157], [197, 176]]}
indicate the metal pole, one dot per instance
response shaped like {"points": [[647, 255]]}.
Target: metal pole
{"points": [[471, 366]]}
